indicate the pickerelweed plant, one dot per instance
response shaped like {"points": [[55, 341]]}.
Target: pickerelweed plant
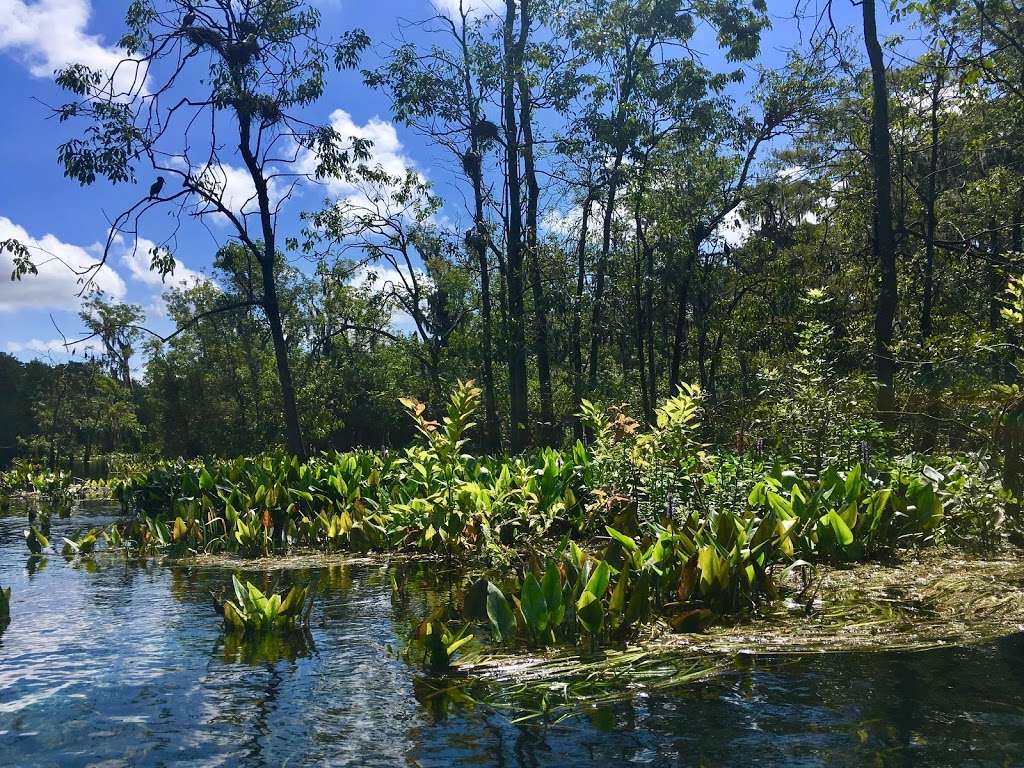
{"points": [[254, 611], [586, 544]]}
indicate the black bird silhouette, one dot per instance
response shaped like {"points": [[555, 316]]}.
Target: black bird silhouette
{"points": [[155, 188], [188, 19]]}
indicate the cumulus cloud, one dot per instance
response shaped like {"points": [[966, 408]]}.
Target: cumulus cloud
{"points": [[50, 34], [136, 256], [234, 188], [57, 285], [386, 152]]}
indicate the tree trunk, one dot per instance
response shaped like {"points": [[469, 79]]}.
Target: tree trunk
{"points": [[270, 303], [547, 411], [478, 245], [884, 241], [680, 337], [602, 269], [929, 432], [518, 393], [576, 327], [995, 289]]}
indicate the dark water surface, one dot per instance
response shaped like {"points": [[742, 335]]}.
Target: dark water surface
{"points": [[126, 665]]}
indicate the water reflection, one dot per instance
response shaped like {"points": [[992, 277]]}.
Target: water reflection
{"points": [[120, 663], [266, 648]]}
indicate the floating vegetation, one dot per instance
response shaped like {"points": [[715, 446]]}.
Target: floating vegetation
{"points": [[554, 686], [913, 605]]}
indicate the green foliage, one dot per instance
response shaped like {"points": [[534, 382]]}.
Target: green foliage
{"points": [[253, 611]]}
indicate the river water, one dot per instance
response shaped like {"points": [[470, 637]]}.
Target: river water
{"points": [[125, 664]]}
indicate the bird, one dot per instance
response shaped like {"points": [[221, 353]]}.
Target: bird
{"points": [[188, 19], [155, 188]]}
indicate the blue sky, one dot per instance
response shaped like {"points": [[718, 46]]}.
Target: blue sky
{"points": [[42, 208]]}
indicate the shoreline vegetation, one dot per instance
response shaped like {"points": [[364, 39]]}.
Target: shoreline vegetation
{"points": [[639, 543]]}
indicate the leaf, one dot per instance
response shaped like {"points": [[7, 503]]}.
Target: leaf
{"points": [[622, 538], [598, 583], [590, 612], [617, 603], [842, 531], [233, 617], [453, 647], [639, 600], [535, 609], [707, 564], [552, 586], [499, 613]]}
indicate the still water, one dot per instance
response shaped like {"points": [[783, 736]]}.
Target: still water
{"points": [[126, 665]]}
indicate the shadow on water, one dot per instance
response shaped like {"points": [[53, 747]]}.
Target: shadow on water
{"points": [[120, 663]]}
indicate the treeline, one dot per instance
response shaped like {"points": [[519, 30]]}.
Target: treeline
{"points": [[830, 239]]}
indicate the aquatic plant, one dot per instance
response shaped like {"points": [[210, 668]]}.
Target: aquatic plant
{"points": [[438, 642], [253, 611], [81, 546], [36, 540]]}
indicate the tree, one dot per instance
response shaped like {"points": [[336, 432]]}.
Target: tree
{"points": [[195, 74]]}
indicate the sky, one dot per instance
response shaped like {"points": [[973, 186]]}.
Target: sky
{"points": [[56, 216]]}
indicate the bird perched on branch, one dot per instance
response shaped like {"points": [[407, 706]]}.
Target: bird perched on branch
{"points": [[156, 186], [188, 19]]}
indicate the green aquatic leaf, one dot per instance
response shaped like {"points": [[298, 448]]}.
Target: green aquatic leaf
{"points": [[622, 538], [598, 583], [534, 604], [503, 621], [553, 597], [841, 530], [590, 612]]}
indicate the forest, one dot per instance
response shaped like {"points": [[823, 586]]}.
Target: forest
{"points": [[621, 218], [674, 331]]}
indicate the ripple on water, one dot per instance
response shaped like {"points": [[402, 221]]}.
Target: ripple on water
{"points": [[126, 665]]}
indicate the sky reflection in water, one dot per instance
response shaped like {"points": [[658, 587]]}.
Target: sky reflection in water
{"points": [[125, 664]]}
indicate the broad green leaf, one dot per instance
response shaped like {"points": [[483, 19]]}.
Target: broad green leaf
{"points": [[622, 538], [590, 612], [842, 532], [499, 613], [534, 603], [598, 583]]}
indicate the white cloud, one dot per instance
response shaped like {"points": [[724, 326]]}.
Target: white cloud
{"points": [[566, 223], [137, 257], [54, 347], [57, 285], [385, 153], [50, 34], [232, 186]]}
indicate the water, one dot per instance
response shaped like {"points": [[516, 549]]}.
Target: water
{"points": [[126, 664]]}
